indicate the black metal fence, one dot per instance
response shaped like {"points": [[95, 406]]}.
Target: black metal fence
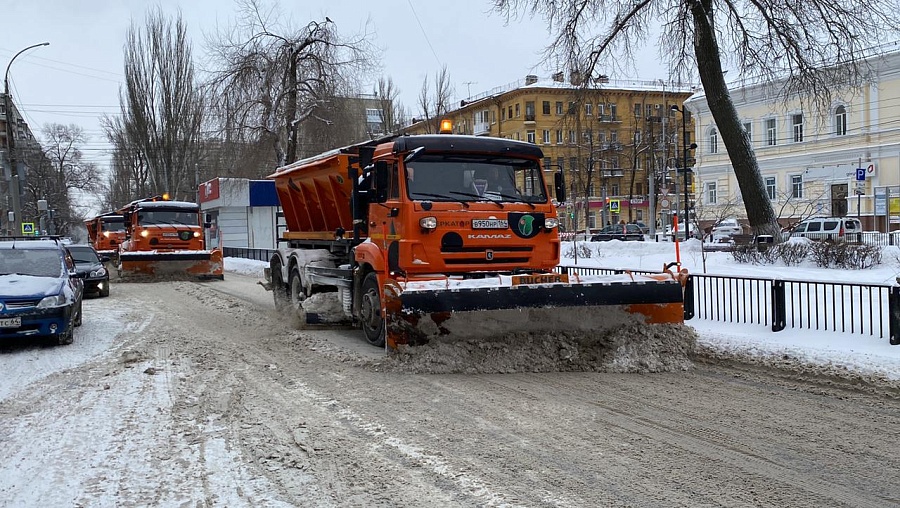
{"points": [[246, 253]]}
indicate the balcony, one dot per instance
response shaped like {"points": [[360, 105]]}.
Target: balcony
{"points": [[481, 129], [608, 118], [612, 173], [529, 117]]}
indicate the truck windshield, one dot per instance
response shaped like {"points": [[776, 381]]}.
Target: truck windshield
{"points": [[113, 226], [172, 217], [475, 178]]}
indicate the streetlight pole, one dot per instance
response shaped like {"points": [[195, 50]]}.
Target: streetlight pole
{"points": [[684, 167], [11, 145]]}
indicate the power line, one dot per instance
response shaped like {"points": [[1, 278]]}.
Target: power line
{"points": [[425, 34]]}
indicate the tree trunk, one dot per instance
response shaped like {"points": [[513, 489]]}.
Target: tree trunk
{"points": [[759, 208]]}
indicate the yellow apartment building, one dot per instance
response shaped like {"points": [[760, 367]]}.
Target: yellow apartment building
{"points": [[841, 160], [618, 143]]}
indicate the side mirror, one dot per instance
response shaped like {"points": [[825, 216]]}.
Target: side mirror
{"points": [[560, 184], [382, 180], [127, 217]]}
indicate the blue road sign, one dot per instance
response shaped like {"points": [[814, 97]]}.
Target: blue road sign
{"points": [[860, 174]]}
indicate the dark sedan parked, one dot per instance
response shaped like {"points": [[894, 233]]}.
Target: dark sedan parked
{"points": [[623, 232], [89, 267]]}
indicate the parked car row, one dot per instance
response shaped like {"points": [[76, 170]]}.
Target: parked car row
{"points": [[43, 281]]}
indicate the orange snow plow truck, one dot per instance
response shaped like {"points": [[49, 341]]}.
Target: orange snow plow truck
{"points": [[427, 237], [164, 239], [106, 232]]}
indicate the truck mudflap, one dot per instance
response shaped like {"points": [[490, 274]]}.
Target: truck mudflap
{"points": [[418, 313], [152, 265]]}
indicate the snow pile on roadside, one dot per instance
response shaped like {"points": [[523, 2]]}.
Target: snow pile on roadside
{"points": [[631, 348], [243, 266]]}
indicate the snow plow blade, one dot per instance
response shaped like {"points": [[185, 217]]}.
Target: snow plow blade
{"points": [[414, 316], [150, 266]]}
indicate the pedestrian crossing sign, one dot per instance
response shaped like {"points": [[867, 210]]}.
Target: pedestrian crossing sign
{"points": [[28, 228]]}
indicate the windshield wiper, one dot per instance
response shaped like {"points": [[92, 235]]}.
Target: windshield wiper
{"points": [[517, 199], [480, 198], [445, 198]]}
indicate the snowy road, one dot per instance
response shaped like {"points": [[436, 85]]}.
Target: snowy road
{"points": [[187, 394]]}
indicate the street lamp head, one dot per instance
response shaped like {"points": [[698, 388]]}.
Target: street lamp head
{"points": [[675, 107], [692, 146]]}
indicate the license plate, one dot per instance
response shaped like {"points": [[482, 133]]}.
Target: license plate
{"points": [[490, 224], [170, 234], [550, 278], [10, 322]]}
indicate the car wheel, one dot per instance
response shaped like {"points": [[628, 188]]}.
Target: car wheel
{"points": [[66, 338], [78, 317], [105, 291]]}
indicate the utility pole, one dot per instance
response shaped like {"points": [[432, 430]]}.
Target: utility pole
{"points": [[15, 177]]}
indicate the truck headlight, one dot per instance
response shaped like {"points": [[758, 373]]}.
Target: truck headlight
{"points": [[145, 233], [551, 222], [48, 302], [428, 222]]}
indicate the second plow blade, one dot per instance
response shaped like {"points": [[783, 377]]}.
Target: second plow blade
{"points": [[417, 316]]}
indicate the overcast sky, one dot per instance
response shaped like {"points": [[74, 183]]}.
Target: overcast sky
{"points": [[77, 77]]}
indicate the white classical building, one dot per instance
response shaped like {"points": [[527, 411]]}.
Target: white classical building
{"points": [[810, 159]]}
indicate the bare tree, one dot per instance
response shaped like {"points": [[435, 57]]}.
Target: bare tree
{"points": [[162, 109], [273, 79], [58, 174], [817, 45], [432, 107], [389, 109]]}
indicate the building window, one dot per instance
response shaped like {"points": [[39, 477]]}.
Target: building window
{"points": [[771, 132], [637, 137], [797, 186], [615, 189], [748, 132], [601, 138], [711, 193], [546, 138], [502, 114], [509, 113], [639, 188], [573, 161], [770, 187], [649, 110], [572, 138], [637, 110], [601, 110], [559, 108], [588, 109], [545, 107], [613, 136], [493, 117], [713, 141], [612, 112], [518, 136], [547, 162], [518, 110], [560, 162], [559, 137], [797, 125], [529, 136], [573, 108], [840, 121]]}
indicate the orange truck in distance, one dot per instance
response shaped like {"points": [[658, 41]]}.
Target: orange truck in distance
{"points": [[165, 239], [434, 237], [106, 232]]}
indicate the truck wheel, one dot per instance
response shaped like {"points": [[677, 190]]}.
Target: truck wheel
{"points": [[279, 288], [370, 311], [296, 292]]}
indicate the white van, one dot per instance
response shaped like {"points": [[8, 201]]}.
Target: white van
{"points": [[830, 228]]}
